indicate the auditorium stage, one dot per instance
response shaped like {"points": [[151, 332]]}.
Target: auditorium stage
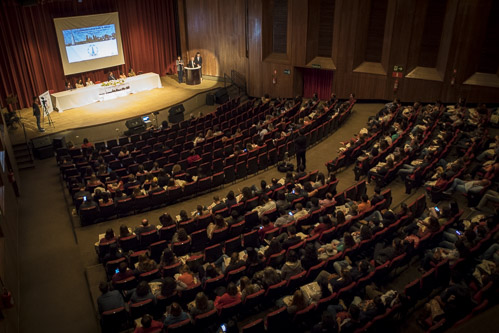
{"points": [[107, 119]]}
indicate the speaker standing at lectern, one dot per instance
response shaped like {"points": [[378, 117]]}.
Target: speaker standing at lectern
{"points": [[180, 69], [198, 61]]}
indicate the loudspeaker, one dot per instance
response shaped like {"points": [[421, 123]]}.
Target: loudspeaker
{"points": [[41, 142], [210, 99], [59, 142], [176, 113], [44, 152], [221, 96], [135, 126], [134, 123]]}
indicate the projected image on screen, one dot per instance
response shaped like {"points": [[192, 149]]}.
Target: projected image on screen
{"points": [[90, 43]]}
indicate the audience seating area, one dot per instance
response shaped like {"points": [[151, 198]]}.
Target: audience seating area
{"points": [[262, 310], [161, 150]]}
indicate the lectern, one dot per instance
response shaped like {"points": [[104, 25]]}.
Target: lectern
{"points": [[192, 75]]}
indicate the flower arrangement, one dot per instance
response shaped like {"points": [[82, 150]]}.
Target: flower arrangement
{"points": [[113, 83]]}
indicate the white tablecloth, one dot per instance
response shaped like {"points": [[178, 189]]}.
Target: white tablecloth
{"points": [[69, 99]]}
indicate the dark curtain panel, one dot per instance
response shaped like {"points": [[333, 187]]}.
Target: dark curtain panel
{"points": [[30, 62], [317, 81]]}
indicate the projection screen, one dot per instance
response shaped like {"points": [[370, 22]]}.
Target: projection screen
{"points": [[89, 42]]}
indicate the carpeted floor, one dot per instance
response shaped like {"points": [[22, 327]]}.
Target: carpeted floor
{"points": [[59, 268]]}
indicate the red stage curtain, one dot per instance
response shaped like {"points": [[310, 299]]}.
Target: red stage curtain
{"points": [[317, 81], [30, 62]]}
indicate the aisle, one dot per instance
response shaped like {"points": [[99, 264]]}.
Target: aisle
{"points": [[53, 288]]}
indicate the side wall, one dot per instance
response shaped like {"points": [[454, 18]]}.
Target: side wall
{"points": [[427, 39]]}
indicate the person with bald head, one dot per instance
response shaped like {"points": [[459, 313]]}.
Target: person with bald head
{"points": [[144, 227]]}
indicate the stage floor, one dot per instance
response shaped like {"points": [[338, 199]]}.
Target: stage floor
{"points": [[114, 110]]}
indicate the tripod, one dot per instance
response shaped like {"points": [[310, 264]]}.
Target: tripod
{"points": [[46, 113]]}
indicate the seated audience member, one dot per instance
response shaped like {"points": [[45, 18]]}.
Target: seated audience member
{"points": [[166, 220], [193, 157], [168, 258], [266, 226], [109, 236], [186, 276], [109, 299], [327, 324], [274, 247], [144, 227], [217, 205], [247, 288], [309, 257], [87, 144], [149, 325], [168, 287], [180, 236], [383, 254], [232, 295], [142, 293], [466, 186], [124, 232], [453, 303], [200, 305], [123, 273], [233, 264], [328, 200], [268, 277], [298, 302], [174, 314], [266, 206], [290, 238], [292, 266], [325, 223], [231, 199], [182, 216], [299, 211], [146, 264], [284, 218], [217, 224], [113, 254]]}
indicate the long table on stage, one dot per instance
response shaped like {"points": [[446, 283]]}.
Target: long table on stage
{"points": [[69, 99]]}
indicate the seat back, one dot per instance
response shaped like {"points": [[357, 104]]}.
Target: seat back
{"points": [[115, 320], [250, 239], [181, 248], [235, 274], [277, 321], [255, 326], [212, 253], [199, 240], [137, 310], [147, 238]]}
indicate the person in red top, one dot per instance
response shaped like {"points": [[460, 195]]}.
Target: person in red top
{"points": [[266, 226], [186, 276], [123, 273], [193, 158], [364, 205], [86, 144], [149, 325], [231, 296]]}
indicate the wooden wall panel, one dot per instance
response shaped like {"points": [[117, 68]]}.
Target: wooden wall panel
{"points": [[218, 26]]}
